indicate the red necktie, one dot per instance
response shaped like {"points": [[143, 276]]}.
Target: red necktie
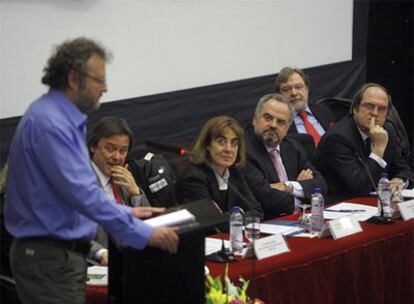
{"points": [[309, 127], [117, 192], [277, 162]]}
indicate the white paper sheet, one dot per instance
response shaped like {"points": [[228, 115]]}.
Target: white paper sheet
{"points": [[171, 219], [214, 245], [275, 228], [358, 211], [408, 193]]}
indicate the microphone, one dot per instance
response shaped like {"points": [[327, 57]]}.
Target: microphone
{"points": [[376, 219], [185, 152], [223, 255], [168, 148]]}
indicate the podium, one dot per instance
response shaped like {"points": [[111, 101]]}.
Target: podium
{"points": [[155, 276]]}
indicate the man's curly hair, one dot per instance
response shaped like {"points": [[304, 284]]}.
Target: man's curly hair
{"points": [[71, 55]]}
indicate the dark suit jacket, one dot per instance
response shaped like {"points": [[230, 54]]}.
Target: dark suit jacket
{"points": [[322, 113], [199, 182], [260, 173], [340, 156]]}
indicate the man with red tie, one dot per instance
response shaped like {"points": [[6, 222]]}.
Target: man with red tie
{"points": [[313, 119], [278, 170], [109, 142]]}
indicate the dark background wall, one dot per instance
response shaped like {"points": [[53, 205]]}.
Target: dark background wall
{"points": [[383, 35], [390, 54], [382, 52]]}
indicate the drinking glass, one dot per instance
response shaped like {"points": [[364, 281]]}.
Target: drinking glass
{"points": [[252, 229], [305, 219]]}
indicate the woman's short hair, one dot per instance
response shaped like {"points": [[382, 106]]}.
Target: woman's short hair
{"points": [[212, 129]]}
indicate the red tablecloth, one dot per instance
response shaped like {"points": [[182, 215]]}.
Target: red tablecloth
{"points": [[374, 266]]}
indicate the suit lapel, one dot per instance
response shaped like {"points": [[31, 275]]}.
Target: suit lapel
{"points": [[319, 116], [357, 139], [287, 154]]}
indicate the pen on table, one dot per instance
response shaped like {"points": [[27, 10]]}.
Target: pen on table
{"points": [[346, 210]]}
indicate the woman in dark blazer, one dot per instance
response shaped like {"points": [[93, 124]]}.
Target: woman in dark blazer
{"points": [[218, 155]]}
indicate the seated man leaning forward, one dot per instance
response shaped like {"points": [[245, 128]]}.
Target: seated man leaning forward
{"points": [[218, 156], [109, 142], [361, 145], [277, 168]]}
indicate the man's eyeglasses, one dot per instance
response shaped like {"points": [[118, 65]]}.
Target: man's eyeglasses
{"points": [[371, 107], [297, 87], [111, 149], [94, 78]]}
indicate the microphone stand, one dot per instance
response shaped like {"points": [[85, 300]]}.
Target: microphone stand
{"points": [[376, 219], [243, 198]]}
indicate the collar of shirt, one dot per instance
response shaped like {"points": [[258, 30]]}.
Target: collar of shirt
{"points": [[223, 181], [363, 134], [312, 119], [73, 113], [271, 149], [307, 110], [103, 180]]}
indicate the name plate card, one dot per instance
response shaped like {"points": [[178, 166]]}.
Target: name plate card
{"points": [[407, 209], [344, 226], [270, 246]]}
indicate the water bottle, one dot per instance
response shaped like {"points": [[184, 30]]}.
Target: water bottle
{"points": [[236, 231], [384, 193], [317, 203]]}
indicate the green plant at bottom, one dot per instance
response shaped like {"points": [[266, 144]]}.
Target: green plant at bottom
{"points": [[217, 293]]}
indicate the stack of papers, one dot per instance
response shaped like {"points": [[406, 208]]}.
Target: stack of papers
{"points": [[172, 219], [286, 228], [358, 211], [214, 245]]}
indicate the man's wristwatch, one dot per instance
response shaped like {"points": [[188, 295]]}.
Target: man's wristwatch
{"points": [[288, 186]]}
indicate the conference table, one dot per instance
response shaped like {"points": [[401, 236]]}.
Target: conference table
{"points": [[373, 266]]}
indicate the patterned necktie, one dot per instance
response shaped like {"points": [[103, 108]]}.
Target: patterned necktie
{"points": [[309, 127], [117, 192], [277, 162]]}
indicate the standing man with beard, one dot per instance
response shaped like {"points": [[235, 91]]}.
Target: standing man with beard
{"points": [[311, 118], [277, 169], [53, 199]]}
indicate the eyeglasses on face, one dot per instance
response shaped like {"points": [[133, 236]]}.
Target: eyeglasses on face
{"points": [[101, 81], [297, 87], [371, 107], [111, 149]]}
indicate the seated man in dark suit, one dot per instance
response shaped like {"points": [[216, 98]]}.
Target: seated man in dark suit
{"points": [[277, 169], [310, 118], [109, 142], [360, 143]]}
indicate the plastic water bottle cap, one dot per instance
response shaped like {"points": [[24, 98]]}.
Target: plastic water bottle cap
{"points": [[384, 175], [235, 209], [317, 190]]}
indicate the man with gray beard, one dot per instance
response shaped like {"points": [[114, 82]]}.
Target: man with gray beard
{"points": [[311, 118], [277, 169]]}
